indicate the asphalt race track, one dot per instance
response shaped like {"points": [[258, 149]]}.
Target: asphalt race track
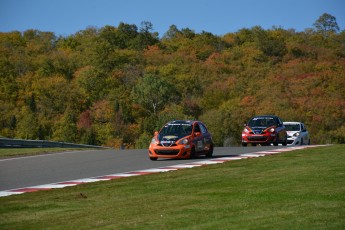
{"points": [[52, 168]]}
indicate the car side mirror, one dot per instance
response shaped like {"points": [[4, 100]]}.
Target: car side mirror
{"points": [[280, 125]]}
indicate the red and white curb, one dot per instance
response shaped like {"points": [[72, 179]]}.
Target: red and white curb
{"points": [[150, 171]]}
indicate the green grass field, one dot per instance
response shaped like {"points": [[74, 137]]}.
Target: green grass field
{"points": [[303, 189]]}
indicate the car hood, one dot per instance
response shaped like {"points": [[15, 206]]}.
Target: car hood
{"points": [[257, 129], [168, 140], [291, 133]]}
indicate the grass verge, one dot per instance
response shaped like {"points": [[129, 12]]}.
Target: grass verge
{"points": [[302, 189], [21, 152]]}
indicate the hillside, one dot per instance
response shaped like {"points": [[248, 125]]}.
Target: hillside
{"points": [[115, 86]]}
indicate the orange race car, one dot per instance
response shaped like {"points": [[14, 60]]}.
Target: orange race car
{"points": [[181, 139]]}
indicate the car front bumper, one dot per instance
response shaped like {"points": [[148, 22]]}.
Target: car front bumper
{"points": [[178, 151], [294, 141], [267, 138]]}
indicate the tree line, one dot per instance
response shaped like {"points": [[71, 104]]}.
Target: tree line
{"points": [[116, 85]]}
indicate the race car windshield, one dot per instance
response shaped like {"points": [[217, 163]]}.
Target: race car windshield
{"points": [[177, 130], [292, 127], [262, 122]]}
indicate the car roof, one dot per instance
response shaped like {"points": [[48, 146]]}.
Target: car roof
{"points": [[273, 116], [190, 122], [292, 122]]}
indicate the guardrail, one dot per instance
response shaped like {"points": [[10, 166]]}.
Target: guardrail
{"points": [[19, 143]]}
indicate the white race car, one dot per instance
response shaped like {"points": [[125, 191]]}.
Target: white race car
{"points": [[297, 133]]}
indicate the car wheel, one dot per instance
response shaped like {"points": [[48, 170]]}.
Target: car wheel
{"points": [[302, 141], [153, 158], [192, 153], [309, 142], [244, 144], [210, 152], [285, 142], [276, 142]]}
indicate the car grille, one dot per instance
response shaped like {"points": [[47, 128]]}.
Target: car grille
{"points": [[167, 145], [257, 132], [166, 151], [257, 138], [289, 141]]}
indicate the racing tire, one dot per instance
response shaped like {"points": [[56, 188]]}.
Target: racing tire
{"points": [[276, 142], [210, 152], [244, 144], [192, 153], [285, 142], [302, 141], [153, 158]]}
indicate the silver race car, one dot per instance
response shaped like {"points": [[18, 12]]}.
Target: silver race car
{"points": [[297, 133]]}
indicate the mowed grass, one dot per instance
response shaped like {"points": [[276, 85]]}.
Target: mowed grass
{"points": [[302, 189], [21, 152]]}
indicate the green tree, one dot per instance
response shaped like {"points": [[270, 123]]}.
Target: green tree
{"points": [[171, 33], [146, 37], [185, 75], [66, 129], [326, 24], [91, 82], [27, 125], [126, 34], [143, 141], [272, 46], [153, 93]]}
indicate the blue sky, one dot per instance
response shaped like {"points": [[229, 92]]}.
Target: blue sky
{"points": [[66, 17]]}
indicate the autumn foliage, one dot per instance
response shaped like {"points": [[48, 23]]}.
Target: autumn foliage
{"points": [[115, 86]]}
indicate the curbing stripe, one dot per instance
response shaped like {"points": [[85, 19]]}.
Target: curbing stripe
{"points": [[252, 155], [9, 193], [210, 162], [150, 171], [234, 158], [267, 152], [177, 167], [24, 190], [155, 170]]}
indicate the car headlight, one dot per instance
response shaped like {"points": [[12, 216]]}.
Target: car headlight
{"points": [[154, 141], [296, 134], [271, 130], [245, 130], [184, 141]]}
